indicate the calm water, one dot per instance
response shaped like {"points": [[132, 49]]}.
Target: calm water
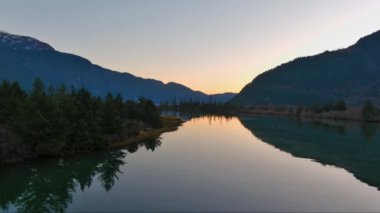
{"points": [[213, 164]]}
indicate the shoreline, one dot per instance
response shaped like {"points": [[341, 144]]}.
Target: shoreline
{"points": [[169, 124], [351, 114]]}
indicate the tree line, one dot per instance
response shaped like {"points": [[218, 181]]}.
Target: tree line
{"points": [[53, 121], [327, 107], [209, 107]]}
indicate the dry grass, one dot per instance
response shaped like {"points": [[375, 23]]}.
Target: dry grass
{"points": [[169, 124]]}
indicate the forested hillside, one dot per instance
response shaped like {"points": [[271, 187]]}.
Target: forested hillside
{"points": [[351, 74]]}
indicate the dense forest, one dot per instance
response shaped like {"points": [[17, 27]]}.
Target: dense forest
{"points": [[48, 121]]}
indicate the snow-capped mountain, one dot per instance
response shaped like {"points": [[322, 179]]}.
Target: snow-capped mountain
{"points": [[17, 42]]}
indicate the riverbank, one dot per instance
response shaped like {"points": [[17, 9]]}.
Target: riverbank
{"points": [[169, 123], [350, 114]]}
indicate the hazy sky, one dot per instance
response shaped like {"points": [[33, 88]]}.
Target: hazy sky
{"points": [[208, 45]]}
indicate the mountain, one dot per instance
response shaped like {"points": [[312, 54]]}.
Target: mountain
{"points": [[351, 74], [222, 97], [24, 58], [17, 42]]}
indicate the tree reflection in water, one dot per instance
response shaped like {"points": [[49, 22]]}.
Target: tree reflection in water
{"points": [[352, 146], [49, 185]]}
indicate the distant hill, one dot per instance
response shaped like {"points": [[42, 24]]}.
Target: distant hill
{"points": [[351, 74], [24, 58], [222, 97]]}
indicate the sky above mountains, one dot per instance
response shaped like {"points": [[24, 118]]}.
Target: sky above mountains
{"points": [[209, 45]]}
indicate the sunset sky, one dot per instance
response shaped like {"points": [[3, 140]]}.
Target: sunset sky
{"points": [[209, 45]]}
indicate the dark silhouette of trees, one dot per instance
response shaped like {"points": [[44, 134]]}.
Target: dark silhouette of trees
{"points": [[209, 107], [331, 106], [11, 95], [54, 121]]}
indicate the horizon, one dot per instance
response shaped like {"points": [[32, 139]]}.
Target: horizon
{"points": [[191, 42]]}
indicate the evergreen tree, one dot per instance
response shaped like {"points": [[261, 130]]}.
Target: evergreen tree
{"points": [[11, 96], [53, 121]]}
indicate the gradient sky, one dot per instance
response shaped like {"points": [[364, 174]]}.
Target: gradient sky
{"points": [[209, 45]]}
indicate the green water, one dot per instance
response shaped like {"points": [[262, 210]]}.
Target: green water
{"points": [[212, 164]]}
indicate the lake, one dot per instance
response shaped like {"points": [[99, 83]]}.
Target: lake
{"points": [[249, 163]]}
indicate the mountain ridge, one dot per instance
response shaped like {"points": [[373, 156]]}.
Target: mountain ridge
{"points": [[351, 74], [24, 58], [22, 42]]}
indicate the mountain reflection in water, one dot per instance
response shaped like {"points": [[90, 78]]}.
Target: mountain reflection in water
{"points": [[352, 146]]}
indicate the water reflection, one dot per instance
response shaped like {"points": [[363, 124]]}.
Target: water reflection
{"points": [[186, 116], [349, 145], [49, 185], [211, 164]]}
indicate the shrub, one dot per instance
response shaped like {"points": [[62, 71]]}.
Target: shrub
{"points": [[369, 111], [332, 106]]}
